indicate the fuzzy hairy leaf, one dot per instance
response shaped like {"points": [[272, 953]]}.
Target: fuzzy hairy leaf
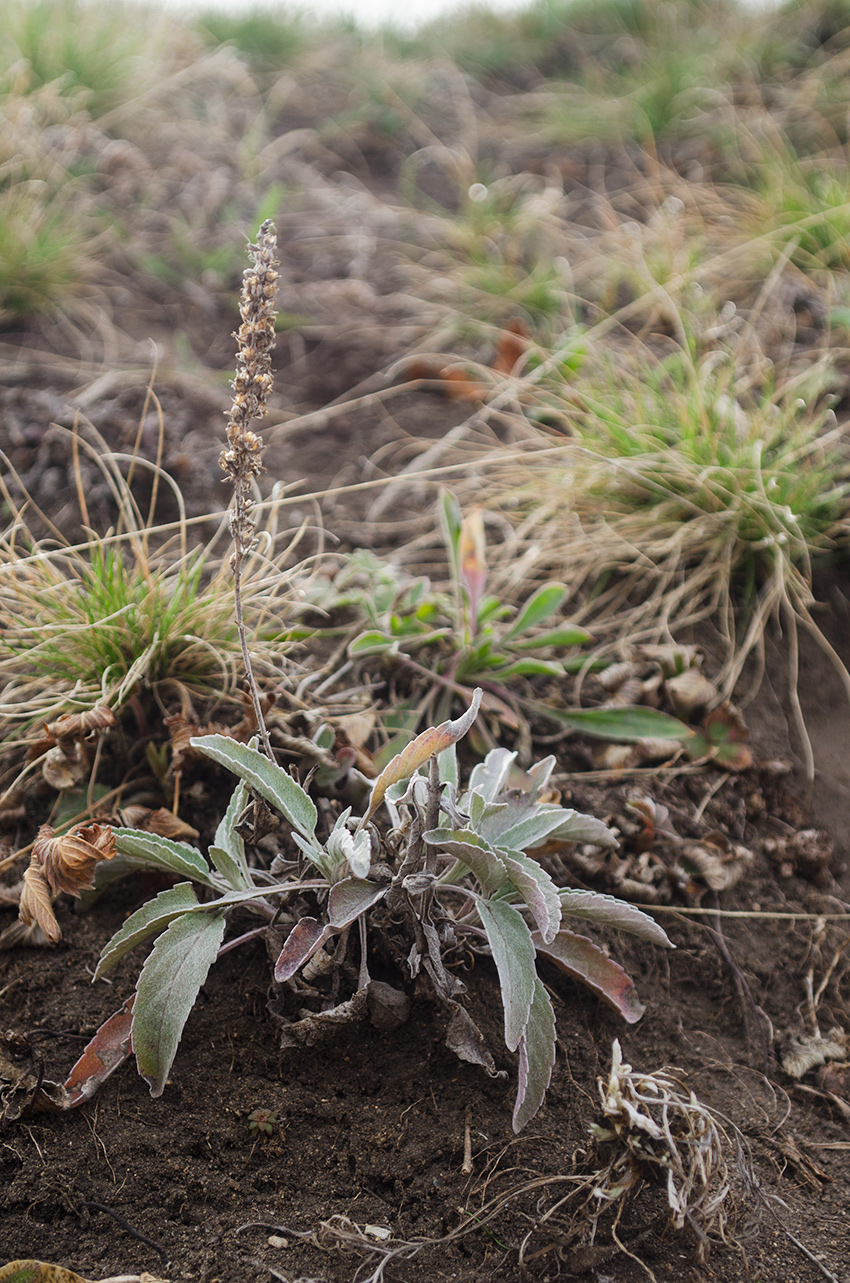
{"points": [[447, 762], [167, 989], [153, 916], [479, 857], [607, 910], [227, 852], [433, 740], [488, 777], [577, 827], [163, 853], [537, 889], [585, 961], [351, 897], [224, 864], [513, 953], [305, 938], [275, 785], [536, 1058], [543, 822]]}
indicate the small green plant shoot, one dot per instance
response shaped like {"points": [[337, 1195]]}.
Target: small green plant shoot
{"points": [[479, 637]]}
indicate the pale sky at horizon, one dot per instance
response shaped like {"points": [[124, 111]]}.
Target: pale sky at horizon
{"points": [[405, 14]]}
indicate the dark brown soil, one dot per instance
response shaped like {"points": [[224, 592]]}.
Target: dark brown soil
{"points": [[371, 1127]]}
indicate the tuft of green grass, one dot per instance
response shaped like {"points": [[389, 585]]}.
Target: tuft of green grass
{"points": [[43, 259], [92, 52], [133, 610]]}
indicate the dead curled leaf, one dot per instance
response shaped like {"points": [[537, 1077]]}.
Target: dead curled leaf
{"points": [[719, 863], [83, 725], [24, 1089], [61, 863], [161, 821], [804, 1053], [65, 766]]}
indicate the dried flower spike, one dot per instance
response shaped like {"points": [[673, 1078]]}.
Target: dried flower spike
{"points": [[242, 460]]}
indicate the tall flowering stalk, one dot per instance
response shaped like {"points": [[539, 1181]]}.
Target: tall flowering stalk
{"points": [[242, 460]]}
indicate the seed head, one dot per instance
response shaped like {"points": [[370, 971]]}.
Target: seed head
{"points": [[242, 460]]}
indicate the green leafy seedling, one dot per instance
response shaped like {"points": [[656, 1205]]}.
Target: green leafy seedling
{"points": [[262, 1122]]}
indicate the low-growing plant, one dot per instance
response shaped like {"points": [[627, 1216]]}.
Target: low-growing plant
{"points": [[451, 869], [471, 635]]}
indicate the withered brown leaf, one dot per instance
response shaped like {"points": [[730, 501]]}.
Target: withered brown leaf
{"points": [[68, 860], [162, 822], [62, 863], [65, 766], [36, 907], [81, 725]]}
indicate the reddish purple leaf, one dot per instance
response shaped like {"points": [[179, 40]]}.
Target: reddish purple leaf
{"points": [[585, 961], [108, 1049], [305, 938]]}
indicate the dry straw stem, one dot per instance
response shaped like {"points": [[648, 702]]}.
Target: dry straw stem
{"points": [[242, 460]]}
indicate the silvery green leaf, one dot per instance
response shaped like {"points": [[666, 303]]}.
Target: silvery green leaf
{"points": [[167, 989], [315, 854], [576, 827], [275, 785], [513, 953], [607, 910], [230, 870], [153, 916], [533, 828], [537, 889], [488, 777], [232, 864], [163, 853], [354, 848], [351, 897], [447, 763], [478, 856], [536, 1058], [539, 775]]}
